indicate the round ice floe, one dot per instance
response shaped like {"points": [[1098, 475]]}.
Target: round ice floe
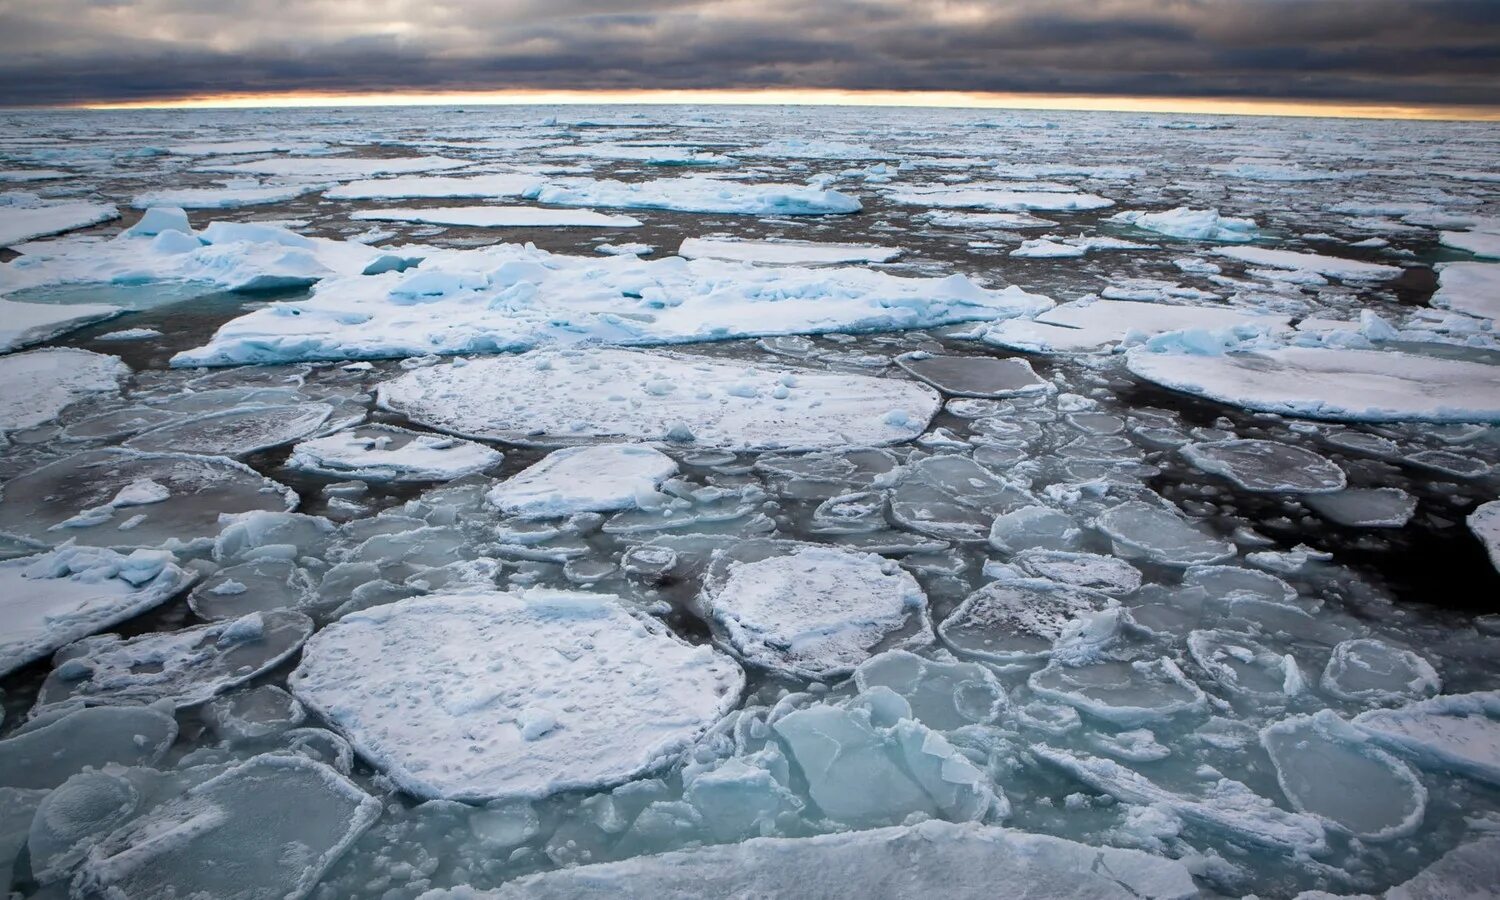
{"points": [[953, 498], [185, 667], [809, 611], [487, 695], [1108, 574], [558, 398], [1144, 531], [39, 383], [943, 694], [601, 478], [235, 432], [1369, 671], [1331, 770], [1230, 582], [1341, 385], [975, 376], [385, 453], [1127, 694], [1245, 666], [121, 498], [1267, 466], [258, 586], [1006, 621], [1034, 527], [1383, 507], [254, 713]]}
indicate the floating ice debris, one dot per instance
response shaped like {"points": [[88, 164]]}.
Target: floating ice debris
{"points": [[336, 166], [961, 197], [1371, 671], [223, 197], [445, 187], [550, 398], [1228, 807], [49, 752], [540, 691], [1469, 288], [184, 668], [235, 432], [40, 383], [1126, 694], [1191, 224], [999, 221], [1007, 621], [269, 827], [963, 862], [56, 598], [1267, 466], [786, 253], [1456, 732], [1244, 666], [254, 713], [1042, 248], [703, 195], [257, 586], [1337, 267], [24, 324], [1329, 769], [1484, 522], [944, 695], [1094, 571], [129, 334], [1383, 507], [1100, 325], [599, 478], [975, 376], [1034, 528], [952, 497], [24, 217], [385, 453], [1341, 385], [1146, 531], [497, 217], [807, 610]]}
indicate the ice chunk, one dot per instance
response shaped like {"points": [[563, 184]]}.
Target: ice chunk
{"points": [[29, 218], [1034, 527], [470, 672], [254, 713], [1347, 269], [47, 754], [786, 253], [1469, 288], [40, 383], [975, 376], [1342, 385], [1142, 530], [72, 498], [56, 598], [266, 828], [599, 478], [1267, 466], [258, 586], [454, 187], [1329, 769], [1458, 732], [1191, 224], [1383, 507], [498, 217], [1107, 574], [551, 398], [235, 432], [1484, 522], [1099, 326], [1244, 666], [184, 668], [702, 195], [1006, 621], [1371, 671], [24, 324], [944, 695], [385, 453], [1127, 694], [812, 612], [962, 862]]}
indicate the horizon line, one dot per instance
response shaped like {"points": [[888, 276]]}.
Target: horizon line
{"points": [[816, 97]]}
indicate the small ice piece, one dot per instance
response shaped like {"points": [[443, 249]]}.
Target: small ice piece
{"points": [[1338, 385], [129, 334], [1034, 527], [944, 695], [699, 195], [786, 253], [257, 586], [558, 398], [385, 453], [1470, 288], [1329, 769], [235, 432], [24, 324], [269, 827], [1246, 667], [254, 713], [1142, 530], [40, 383], [1484, 522], [812, 612], [79, 490], [17, 811], [24, 217], [184, 668], [1267, 466], [932, 859], [46, 754], [1454, 732], [1382, 507], [1191, 224], [975, 376], [56, 598], [469, 670], [599, 478], [498, 217], [1336, 267], [1106, 574], [1126, 694], [1008, 621], [1365, 670]]}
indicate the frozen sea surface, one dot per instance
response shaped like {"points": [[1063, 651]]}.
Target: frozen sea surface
{"points": [[668, 501]]}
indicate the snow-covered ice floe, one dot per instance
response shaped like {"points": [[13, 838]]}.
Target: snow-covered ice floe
{"points": [[702, 195], [336, 166], [557, 398], [385, 453], [39, 384], [1453, 732], [785, 253], [1335, 384], [1337, 267], [498, 217], [1469, 288], [1102, 325], [962, 862], [541, 691], [254, 194], [24, 217], [442, 187], [1191, 224], [1484, 522], [24, 324], [961, 197], [596, 478]]}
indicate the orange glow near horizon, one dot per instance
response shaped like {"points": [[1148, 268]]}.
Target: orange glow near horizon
{"points": [[820, 97]]}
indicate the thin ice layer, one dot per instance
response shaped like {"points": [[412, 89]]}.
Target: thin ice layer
{"points": [[1267, 466]]}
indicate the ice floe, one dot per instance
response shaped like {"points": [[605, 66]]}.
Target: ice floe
{"points": [[975, 376], [961, 197], [1371, 671], [1102, 325], [235, 432], [1267, 466], [1484, 522], [1142, 530], [1007, 621], [498, 217], [223, 197], [336, 166], [1337, 267], [24, 324], [49, 751], [385, 453], [786, 253], [702, 195], [39, 384], [1382, 507], [598, 478], [24, 217], [1191, 224], [1469, 288], [1457, 732], [444, 187]]}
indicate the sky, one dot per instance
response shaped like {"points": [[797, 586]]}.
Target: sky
{"points": [[1392, 52]]}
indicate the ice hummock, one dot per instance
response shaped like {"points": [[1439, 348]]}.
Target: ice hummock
{"points": [[1191, 224]]}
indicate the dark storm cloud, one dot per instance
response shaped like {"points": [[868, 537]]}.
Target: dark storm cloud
{"points": [[1432, 51]]}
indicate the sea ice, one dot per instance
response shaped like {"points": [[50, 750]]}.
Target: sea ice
{"points": [[1336, 267], [1484, 522], [1142, 530], [254, 713], [222, 197], [336, 166], [24, 324], [1101, 325], [260, 585], [1007, 621], [1125, 694], [975, 376], [1267, 466], [1366, 670], [235, 432], [385, 453], [519, 695], [1382, 507], [1456, 732], [1191, 224], [785, 253], [24, 217], [1485, 244], [960, 197], [39, 384], [1244, 666], [553, 398], [1107, 574], [701, 195], [497, 217], [943, 694], [1034, 528], [440, 187], [597, 478], [1469, 288], [48, 752]]}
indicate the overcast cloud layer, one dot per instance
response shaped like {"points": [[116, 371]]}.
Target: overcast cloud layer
{"points": [[1424, 51]]}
